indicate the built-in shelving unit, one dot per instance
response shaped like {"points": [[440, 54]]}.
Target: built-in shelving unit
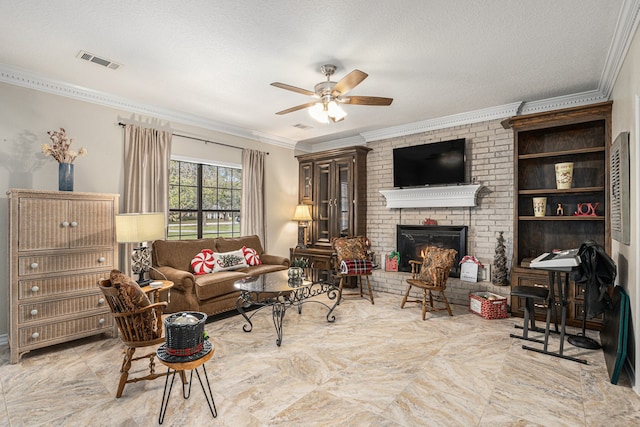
{"points": [[581, 135]]}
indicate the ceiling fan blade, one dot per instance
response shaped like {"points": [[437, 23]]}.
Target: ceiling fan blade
{"points": [[296, 108], [367, 100], [348, 82], [293, 88]]}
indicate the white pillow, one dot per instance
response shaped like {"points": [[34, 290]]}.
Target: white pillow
{"points": [[233, 260]]}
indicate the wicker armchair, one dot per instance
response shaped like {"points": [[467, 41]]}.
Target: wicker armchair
{"points": [[431, 276], [141, 327]]}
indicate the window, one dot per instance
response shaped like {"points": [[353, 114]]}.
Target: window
{"points": [[204, 201]]}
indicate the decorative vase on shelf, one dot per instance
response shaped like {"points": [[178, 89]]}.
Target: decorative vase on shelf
{"points": [[65, 176]]}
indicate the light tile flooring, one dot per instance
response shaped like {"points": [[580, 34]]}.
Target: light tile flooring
{"points": [[377, 365]]}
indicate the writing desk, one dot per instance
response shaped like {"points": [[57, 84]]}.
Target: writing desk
{"points": [[555, 283]]}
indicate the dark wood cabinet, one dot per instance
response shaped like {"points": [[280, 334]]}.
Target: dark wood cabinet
{"points": [[581, 135], [334, 184]]}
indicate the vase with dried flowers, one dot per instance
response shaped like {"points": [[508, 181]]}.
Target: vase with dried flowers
{"points": [[60, 149]]}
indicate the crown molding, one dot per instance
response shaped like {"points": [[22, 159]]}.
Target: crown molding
{"points": [[338, 143], [566, 101], [622, 37], [476, 116], [23, 78]]}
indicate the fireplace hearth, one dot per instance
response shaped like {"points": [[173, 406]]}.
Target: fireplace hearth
{"points": [[411, 239]]}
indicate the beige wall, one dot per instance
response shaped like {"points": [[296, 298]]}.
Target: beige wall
{"points": [[626, 111], [28, 114]]}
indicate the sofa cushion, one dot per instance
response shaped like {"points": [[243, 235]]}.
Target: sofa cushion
{"points": [[179, 253], [216, 284], [257, 270], [203, 262], [225, 244], [251, 255], [233, 260]]}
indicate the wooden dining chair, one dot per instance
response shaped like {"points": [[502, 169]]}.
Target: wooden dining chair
{"points": [[139, 326], [431, 276]]}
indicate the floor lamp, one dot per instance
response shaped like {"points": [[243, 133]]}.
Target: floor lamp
{"points": [[140, 228], [303, 216]]}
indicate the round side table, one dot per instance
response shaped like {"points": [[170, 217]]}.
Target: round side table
{"points": [[182, 364]]}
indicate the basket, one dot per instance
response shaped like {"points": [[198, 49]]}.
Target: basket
{"points": [[182, 339], [496, 308]]}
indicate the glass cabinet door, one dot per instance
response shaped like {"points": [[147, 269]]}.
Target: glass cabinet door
{"points": [[342, 198], [323, 203]]}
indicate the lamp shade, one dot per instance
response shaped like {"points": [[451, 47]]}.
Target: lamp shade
{"points": [[302, 213], [140, 227]]}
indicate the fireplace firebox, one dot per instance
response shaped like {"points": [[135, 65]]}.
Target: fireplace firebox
{"points": [[413, 238]]}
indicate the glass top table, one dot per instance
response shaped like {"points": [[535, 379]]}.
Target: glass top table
{"points": [[277, 291]]}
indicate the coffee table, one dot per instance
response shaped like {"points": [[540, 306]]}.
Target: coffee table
{"points": [[277, 291]]}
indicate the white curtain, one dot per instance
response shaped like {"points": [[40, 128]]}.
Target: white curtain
{"points": [[252, 219], [146, 173]]}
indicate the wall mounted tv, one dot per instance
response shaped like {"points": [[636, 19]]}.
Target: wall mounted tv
{"points": [[438, 163]]}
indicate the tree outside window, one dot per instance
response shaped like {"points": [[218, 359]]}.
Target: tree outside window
{"points": [[204, 201]]}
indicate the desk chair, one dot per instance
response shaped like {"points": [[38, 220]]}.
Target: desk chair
{"points": [[529, 293]]}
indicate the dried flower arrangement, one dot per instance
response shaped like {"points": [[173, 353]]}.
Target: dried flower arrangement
{"points": [[61, 147]]}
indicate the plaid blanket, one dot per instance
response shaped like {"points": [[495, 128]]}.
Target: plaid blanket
{"points": [[355, 266]]}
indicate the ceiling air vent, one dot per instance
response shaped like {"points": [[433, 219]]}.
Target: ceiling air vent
{"points": [[302, 126], [97, 60]]}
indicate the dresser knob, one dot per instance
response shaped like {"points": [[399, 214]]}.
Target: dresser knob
{"points": [[35, 288], [35, 335], [34, 312], [74, 224], [34, 265], [101, 321], [65, 223], [101, 259], [101, 301]]}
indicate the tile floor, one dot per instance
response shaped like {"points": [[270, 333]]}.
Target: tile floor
{"points": [[377, 365]]}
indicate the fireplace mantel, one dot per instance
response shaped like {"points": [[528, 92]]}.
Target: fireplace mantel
{"points": [[452, 196]]}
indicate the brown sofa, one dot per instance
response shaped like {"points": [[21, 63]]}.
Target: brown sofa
{"points": [[209, 293]]}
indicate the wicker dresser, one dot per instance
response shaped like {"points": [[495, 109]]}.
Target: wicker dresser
{"points": [[61, 244]]}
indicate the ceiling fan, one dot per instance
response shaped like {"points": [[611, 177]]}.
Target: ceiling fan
{"points": [[331, 94]]}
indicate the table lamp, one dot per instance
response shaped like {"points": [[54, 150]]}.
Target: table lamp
{"points": [[140, 228], [303, 216]]}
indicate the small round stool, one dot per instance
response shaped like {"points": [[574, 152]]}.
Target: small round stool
{"points": [[530, 293]]}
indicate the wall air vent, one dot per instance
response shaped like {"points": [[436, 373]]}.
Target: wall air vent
{"points": [[97, 60]]}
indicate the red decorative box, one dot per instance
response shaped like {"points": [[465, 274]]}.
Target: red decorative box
{"points": [[488, 305]]}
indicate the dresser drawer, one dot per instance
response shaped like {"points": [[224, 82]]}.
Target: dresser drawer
{"points": [[43, 264], [52, 286], [58, 331], [62, 307]]}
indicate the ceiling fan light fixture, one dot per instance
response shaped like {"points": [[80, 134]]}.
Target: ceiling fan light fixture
{"points": [[319, 113], [335, 111]]}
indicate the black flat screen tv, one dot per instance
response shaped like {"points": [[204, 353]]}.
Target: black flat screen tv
{"points": [[438, 163]]}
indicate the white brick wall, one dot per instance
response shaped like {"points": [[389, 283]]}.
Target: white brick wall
{"points": [[489, 161]]}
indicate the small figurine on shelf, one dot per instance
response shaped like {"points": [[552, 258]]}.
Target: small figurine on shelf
{"points": [[560, 210]]}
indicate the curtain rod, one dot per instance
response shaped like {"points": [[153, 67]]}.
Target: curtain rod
{"points": [[206, 141]]}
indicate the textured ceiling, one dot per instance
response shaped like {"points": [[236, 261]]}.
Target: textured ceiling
{"points": [[214, 60]]}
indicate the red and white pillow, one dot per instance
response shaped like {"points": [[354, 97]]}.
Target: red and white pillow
{"points": [[251, 255], [203, 262]]}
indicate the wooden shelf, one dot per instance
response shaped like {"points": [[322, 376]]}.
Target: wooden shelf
{"points": [[562, 218], [562, 153], [544, 191]]}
